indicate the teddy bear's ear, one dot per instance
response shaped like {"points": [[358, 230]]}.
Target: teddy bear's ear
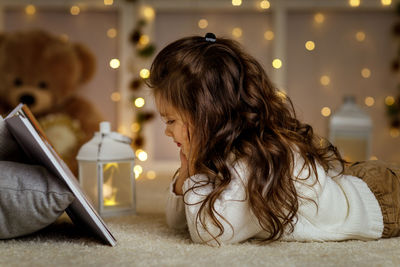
{"points": [[87, 60]]}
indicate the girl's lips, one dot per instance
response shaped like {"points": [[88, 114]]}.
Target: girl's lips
{"points": [[178, 144]]}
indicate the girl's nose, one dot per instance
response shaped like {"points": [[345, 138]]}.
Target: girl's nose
{"points": [[167, 132]]}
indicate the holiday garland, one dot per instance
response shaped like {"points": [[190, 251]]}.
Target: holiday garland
{"points": [[143, 51]]}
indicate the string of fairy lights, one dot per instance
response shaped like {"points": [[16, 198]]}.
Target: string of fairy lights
{"points": [[144, 48], [310, 45]]}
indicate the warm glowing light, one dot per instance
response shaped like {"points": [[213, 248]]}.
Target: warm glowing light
{"points": [[269, 35], [264, 4], [75, 10], [151, 175], [30, 9], [277, 63], [373, 158], [112, 33], [354, 3], [116, 96], [114, 63], [144, 40], [325, 80], [386, 2], [137, 170], [310, 45], [237, 32], [148, 13], [139, 102], [107, 191], [394, 132], [141, 155], [236, 2], [389, 100], [144, 73], [326, 112], [366, 73], [108, 2], [135, 127], [319, 18], [369, 101], [360, 36], [203, 23]]}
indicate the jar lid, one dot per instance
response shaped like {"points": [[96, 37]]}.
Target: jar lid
{"points": [[350, 116]]}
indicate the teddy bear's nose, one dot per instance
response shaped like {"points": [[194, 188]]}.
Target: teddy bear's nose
{"points": [[27, 99]]}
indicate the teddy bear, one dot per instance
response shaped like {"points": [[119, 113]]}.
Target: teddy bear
{"points": [[44, 71]]}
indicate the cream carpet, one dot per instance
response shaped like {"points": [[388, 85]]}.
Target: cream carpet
{"points": [[145, 240]]}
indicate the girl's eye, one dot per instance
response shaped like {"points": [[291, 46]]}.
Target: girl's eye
{"points": [[170, 122]]}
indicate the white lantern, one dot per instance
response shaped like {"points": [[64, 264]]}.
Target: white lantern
{"points": [[106, 172], [350, 131]]}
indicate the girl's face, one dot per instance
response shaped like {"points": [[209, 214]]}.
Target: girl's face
{"points": [[176, 127]]}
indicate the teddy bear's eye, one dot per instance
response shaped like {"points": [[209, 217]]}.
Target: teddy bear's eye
{"points": [[42, 85], [18, 82]]}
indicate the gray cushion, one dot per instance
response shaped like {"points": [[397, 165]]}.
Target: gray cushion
{"points": [[30, 198]]}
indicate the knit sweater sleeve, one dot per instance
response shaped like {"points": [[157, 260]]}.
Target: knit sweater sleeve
{"points": [[231, 208]]}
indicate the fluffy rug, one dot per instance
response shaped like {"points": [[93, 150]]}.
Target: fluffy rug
{"points": [[145, 240]]}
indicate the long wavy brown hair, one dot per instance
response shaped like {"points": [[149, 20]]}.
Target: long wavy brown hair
{"points": [[234, 108]]}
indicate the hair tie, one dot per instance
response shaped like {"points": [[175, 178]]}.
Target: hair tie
{"points": [[210, 37]]}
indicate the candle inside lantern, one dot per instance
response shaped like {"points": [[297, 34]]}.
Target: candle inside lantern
{"points": [[109, 192]]}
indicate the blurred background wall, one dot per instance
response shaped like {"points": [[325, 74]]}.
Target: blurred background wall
{"points": [[328, 49]]}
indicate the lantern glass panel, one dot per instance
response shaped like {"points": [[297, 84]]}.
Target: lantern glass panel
{"points": [[88, 180], [117, 185]]}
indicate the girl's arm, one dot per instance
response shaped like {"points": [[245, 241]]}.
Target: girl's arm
{"points": [[175, 208], [240, 223]]}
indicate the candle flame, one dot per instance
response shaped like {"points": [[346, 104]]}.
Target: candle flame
{"points": [[109, 193]]}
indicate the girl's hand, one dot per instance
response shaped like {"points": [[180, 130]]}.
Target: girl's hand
{"points": [[183, 174]]}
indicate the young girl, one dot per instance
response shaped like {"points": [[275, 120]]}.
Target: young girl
{"points": [[249, 168]]}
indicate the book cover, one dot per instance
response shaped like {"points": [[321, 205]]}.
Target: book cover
{"points": [[22, 124]]}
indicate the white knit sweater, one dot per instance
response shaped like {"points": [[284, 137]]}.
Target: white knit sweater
{"points": [[347, 209]]}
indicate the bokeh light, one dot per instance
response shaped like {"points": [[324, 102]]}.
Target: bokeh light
{"points": [[369, 101], [319, 18], [114, 63], [115, 96], [264, 4], [203, 23], [326, 112], [237, 32], [310, 45], [112, 33], [30, 9], [277, 63], [139, 102], [236, 2], [75, 10], [269, 35], [325, 80], [360, 36], [366, 73], [144, 73]]}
